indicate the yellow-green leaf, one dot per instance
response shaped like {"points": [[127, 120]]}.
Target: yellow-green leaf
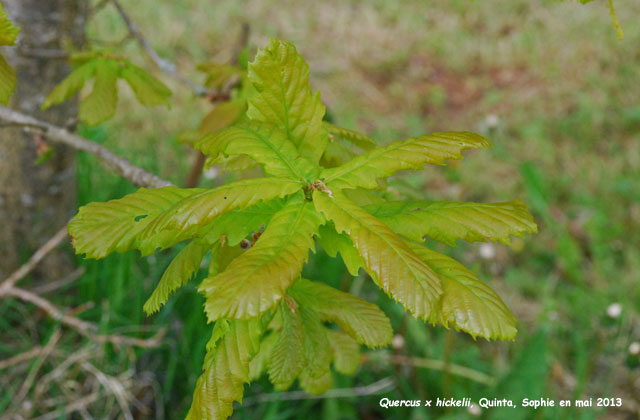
{"points": [[313, 385], [239, 223], [259, 278], [467, 303], [363, 321], [287, 357], [266, 144], [258, 364], [7, 81], [333, 242], [201, 209], [353, 137], [101, 103], [336, 154], [148, 90], [317, 351], [391, 263], [8, 32], [222, 116], [413, 153], [447, 221], [183, 267], [69, 86], [346, 352], [283, 97], [102, 228], [219, 74], [226, 369]]}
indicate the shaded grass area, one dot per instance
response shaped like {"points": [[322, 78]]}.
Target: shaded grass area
{"points": [[555, 91]]}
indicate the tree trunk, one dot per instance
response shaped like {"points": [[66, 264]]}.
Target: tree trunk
{"points": [[37, 200]]}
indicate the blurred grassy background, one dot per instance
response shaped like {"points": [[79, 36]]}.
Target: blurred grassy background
{"points": [[549, 83]]}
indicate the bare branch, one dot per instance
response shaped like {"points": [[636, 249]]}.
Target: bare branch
{"points": [[28, 382], [120, 165], [379, 387], [55, 285], [113, 386], [166, 66], [25, 269], [433, 364], [19, 358], [84, 328]]}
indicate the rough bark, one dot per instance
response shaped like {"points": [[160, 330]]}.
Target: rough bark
{"points": [[36, 200]]}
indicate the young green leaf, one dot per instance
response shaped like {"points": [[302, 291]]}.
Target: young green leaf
{"points": [[283, 97], [346, 352], [317, 351], [225, 369], [222, 116], [413, 153], [287, 357], [363, 321], [333, 242], [148, 90], [7, 81], [266, 144], [73, 83], [220, 74], [201, 209], [8, 35], [315, 386], [238, 224], [389, 261], [336, 154], [467, 303], [115, 226], [101, 103], [353, 137], [259, 278], [8, 31], [183, 267], [447, 221], [258, 364]]}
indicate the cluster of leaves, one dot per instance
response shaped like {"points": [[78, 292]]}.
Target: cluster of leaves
{"points": [[106, 68], [259, 232], [230, 81], [8, 36]]}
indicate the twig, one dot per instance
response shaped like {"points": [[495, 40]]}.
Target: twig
{"points": [[198, 164], [25, 269], [113, 386], [19, 358], [166, 66], [51, 54], [84, 328], [379, 387], [28, 382], [120, 165], [49, 287], [453, 369], [74, 406]]}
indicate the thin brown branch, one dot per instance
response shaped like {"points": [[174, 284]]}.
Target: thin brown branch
{"points": [[198, 165], [37, 256], [84, 328], [113, 386], [166, 66], [379, 387], [440, 365], [28, 382], [20, 358], [49, 287], [120, 165]]}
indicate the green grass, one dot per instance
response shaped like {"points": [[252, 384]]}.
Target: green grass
{"points": [[566, 141]]}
